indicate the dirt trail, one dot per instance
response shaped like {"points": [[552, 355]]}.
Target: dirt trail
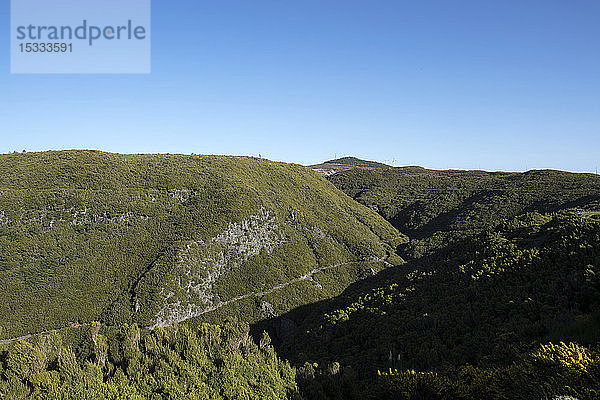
{"points": [[30, 335], [306, 277]]}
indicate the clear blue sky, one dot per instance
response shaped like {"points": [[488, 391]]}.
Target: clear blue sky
{"points": [[497, 85]]}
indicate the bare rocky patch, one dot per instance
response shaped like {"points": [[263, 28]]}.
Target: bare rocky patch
{"points": [[200, 264]]}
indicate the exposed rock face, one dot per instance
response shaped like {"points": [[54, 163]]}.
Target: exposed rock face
{"points": [[200, 264], [183, 195], [4, 220], [319, 232], [70, 216], [267, 310]]}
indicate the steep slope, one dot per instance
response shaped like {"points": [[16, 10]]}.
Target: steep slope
{"points": [[156, 239], [421, 201], [488, 301], [433, 207]]}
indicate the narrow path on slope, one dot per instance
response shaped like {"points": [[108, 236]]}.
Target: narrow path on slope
{"points": [[306, 277], [43, 333]]}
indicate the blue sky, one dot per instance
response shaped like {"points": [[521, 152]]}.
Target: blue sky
{"points": [[502, 85]]}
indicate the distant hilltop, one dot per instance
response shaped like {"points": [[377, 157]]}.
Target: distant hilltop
{"points": [[341, 164]]}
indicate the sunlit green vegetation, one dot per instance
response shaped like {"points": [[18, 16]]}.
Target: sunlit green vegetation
{"points": [[436, 207], [488, 289], [213, 362], [499, 299], [86, 235]]}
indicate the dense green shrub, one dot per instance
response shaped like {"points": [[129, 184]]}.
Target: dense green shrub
{"points": [[87, 235], [552, 370], [176, 363], [484, 301]]}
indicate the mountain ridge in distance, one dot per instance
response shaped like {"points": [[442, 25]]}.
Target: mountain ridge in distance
{"points": [[341, 164]]}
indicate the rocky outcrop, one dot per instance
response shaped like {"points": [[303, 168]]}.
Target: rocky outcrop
{"points": [[200, 264]]}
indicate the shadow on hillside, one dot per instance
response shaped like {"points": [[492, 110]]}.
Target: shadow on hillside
{"points": [[482, 201], [447, 318], [442, 222], [282, 327], [286, 329]]}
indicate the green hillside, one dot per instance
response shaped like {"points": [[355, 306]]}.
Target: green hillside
{"points": [[485, 301], [158, 239], [357, 162], [500, 265], [433, 207], [499, 296]]}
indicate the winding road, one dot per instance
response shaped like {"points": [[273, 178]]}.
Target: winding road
{"points": [[306, 277]]}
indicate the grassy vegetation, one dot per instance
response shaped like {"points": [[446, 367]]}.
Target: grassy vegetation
{"points": [[499, 299], [356, 162], [501, 266], [212, 362], [86, 235]]}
